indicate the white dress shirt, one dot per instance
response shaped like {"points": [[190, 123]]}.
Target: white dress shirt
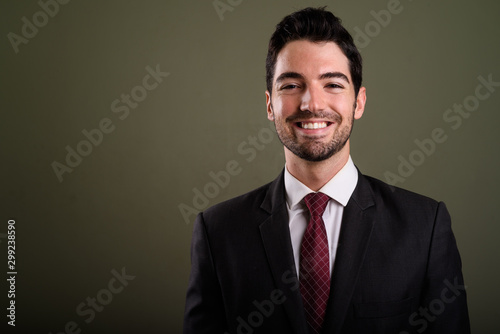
{"points": [[339, 188]]}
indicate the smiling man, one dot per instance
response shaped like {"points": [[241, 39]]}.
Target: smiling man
{"points": [[323, 248]]}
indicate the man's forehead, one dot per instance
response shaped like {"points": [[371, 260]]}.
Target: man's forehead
{"points": [[311, 58]]}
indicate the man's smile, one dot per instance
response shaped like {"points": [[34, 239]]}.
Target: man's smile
{"points": [[313, 125]]}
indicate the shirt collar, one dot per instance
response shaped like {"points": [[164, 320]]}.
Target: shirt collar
{"points": [[340, 187]]}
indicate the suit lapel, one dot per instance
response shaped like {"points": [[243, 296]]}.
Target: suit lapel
{"points": [[275, 235], [357, 224]]}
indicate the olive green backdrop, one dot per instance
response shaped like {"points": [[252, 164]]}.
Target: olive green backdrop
{"points": [[120, 209]]}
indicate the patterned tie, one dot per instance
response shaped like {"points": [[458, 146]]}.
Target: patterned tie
{"points": [[314, 269]]}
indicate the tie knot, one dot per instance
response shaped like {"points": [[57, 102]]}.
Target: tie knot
{"points": [[316, 203]]}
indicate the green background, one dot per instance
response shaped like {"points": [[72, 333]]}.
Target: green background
{"points": [[119, 208]]}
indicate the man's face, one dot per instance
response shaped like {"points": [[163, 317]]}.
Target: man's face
{"points": [[313, 103]]}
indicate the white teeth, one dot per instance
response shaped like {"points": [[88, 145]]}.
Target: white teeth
{"points": [[313, 125]]}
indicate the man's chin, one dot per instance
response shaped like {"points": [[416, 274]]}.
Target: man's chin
{"points": [[317, 152], [314, 155]]}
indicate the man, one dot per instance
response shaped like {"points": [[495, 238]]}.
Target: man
{"points": [[323, 248]]}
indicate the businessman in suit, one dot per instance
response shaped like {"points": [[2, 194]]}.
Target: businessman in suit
{"points": [[323, 248]]}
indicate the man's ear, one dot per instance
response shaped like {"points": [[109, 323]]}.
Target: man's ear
{"points": [[360, 103], [269, 105]]}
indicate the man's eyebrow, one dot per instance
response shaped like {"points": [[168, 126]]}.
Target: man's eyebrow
{"points": [[330, 75], [289, 75], [327, 75]]}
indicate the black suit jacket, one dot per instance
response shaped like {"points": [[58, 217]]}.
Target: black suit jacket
{"points": [[397, 267]]}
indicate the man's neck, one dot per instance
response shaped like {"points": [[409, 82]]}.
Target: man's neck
{"points": [[316, 174]]}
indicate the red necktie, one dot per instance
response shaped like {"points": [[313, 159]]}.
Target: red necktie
{"points": [[314, 269]]}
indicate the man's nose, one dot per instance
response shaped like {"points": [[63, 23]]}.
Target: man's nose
{"points": [[313, 99]]}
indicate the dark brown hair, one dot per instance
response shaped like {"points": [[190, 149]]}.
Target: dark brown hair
{"points": [[315, 25]]}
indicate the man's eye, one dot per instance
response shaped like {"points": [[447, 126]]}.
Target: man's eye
{"points": [[290, 86], [334, 86]]}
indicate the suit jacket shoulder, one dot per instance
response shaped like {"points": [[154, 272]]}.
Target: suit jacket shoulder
{"points": [[382, 189], [238, 205], [251, 208], [401, 200]]}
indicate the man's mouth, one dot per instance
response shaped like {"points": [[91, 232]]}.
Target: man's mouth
{"points": [[313, 125]]}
